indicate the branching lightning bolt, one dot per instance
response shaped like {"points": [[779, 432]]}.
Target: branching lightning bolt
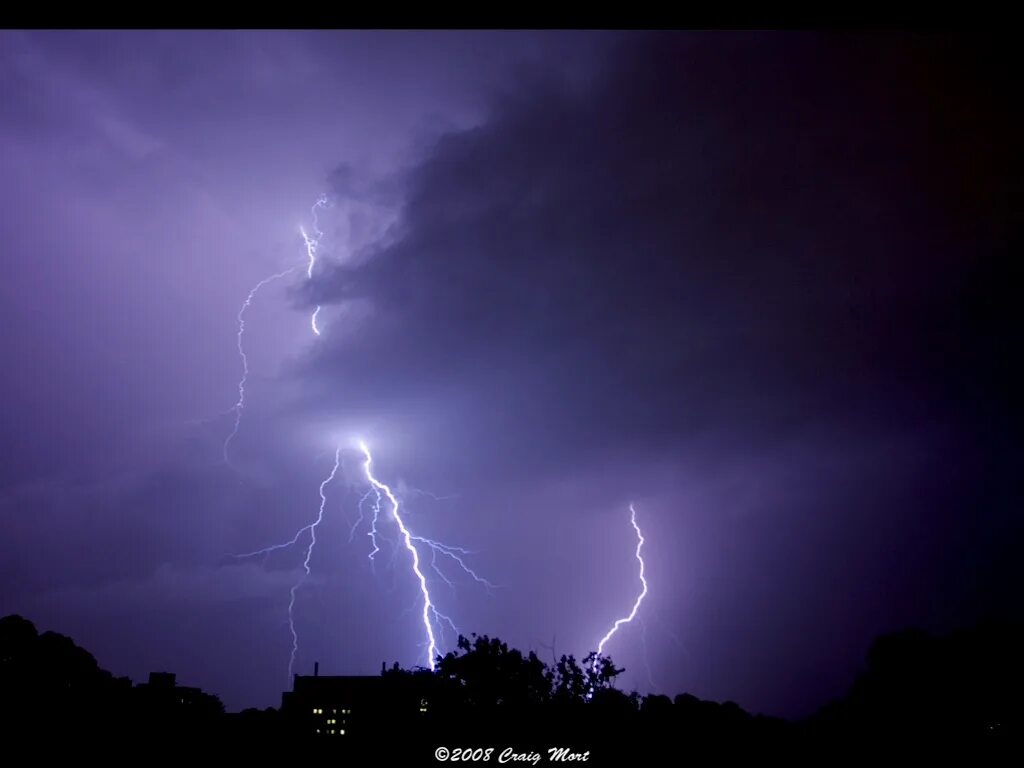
{"points": [[428, 606], [355, 526], [430, 613], [240, 404], [372, 533], [643, 582], [453, 553], [311, 529], [312, 244], [309, 554], [434, 622]]}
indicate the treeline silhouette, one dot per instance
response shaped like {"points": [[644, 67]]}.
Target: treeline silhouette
{"points": [[49, 686], [918, 691]]}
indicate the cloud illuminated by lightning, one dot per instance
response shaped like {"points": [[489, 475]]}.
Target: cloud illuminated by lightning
{"points": [[643, 581], [240, 404], [312, 244]]}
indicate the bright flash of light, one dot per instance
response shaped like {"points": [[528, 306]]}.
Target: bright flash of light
{"points": [[643, 582], [431, 616], [312, 244], [240, 404], [428, 606]]}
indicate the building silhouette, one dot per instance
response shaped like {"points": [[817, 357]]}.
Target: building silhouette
{"points": [[356, 707], [162, 693]]}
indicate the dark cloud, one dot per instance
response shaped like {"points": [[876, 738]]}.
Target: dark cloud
{"points": [[727, 232], [782, 258]]}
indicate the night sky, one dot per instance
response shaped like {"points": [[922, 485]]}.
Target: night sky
{"points": [[761, 285]]}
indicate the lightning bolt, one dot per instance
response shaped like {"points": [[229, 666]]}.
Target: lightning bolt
{"points": [[355, 526], [311, 529], [453, 553], [430, 613], [428, 606], [434, 622], [372, 533], [239, 406], [309, 554], [312, 244], [643, 581]]}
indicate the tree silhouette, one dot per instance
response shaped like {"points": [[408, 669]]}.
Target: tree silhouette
{"points": [[487, 673], [47, 681], [915, 689]]}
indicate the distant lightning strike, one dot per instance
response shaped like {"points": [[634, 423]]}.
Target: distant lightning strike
{"points": [[309, 554], [240, 404], [311, 529], [312, 244], [643, 581]]}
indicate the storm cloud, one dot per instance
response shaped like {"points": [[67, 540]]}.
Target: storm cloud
{"points": [[732, 235], [762, 285], [782, 258]]}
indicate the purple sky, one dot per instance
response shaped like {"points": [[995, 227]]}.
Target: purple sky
{"points": [[757, 284]]}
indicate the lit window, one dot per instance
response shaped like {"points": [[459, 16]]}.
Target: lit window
{"points": [[342, 731]]}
